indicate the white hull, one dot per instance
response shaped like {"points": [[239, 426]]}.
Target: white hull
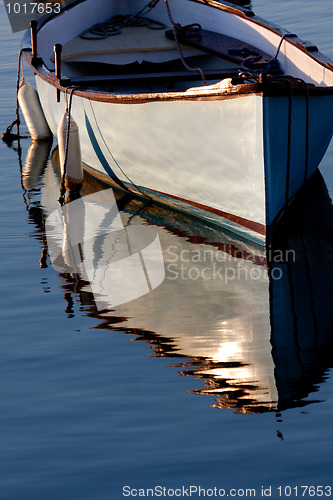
{"points": [[221, 155]]}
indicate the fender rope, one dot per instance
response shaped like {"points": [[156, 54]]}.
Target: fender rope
{"points": [[68, 112], [8, 136]]}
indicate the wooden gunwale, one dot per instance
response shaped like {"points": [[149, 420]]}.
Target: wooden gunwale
{"points": [[265, 88]]}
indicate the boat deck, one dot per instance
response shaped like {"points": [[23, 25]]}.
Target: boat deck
{"points": [[142, 58], [143, 77]]}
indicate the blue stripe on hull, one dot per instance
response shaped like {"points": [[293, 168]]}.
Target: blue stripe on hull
{"points": [[100, 154]]}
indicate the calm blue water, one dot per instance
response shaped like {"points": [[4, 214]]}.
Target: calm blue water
{"points": [[198, 384]]}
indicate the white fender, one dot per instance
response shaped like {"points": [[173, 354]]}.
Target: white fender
{"points": [[74, 168], [32, 111]]}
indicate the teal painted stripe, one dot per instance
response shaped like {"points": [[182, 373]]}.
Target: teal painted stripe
{"points": [[101, 156]]}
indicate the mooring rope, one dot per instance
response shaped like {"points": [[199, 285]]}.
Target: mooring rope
{"points": [[115, 24], [8, 136], [307, 135], [175, 28], [19, 68], [68, 112], [307, 99], [272, 67], [290, 113]]}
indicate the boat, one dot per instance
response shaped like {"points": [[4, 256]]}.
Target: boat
{"points": [[196, 104]]}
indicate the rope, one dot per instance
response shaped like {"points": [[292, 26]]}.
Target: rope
{"points": [[272, 67], [68, 112], [306, 167], [175, 28], [150, 6], [307, 122], [130, 180], [19, 66], [290, 110], [8, 136], [306, 162], [116, 23]]}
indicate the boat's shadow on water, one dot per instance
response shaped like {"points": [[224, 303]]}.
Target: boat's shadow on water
{"points": [[255, 328]]}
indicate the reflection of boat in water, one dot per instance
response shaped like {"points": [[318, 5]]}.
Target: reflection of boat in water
{"points": [[301, 316], [256, 344]]}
